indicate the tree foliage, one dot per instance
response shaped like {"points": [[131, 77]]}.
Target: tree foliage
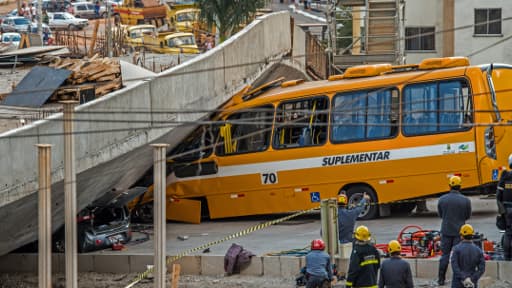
{"points": [[228, 15]]}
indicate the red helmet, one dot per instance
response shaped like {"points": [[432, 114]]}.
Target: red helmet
{"points": [[317, 244]]}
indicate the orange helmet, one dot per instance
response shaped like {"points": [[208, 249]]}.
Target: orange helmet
{"points": [[342, 199], [317, 244]]}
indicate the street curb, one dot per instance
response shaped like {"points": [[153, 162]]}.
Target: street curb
{"points": [[271, 266]]}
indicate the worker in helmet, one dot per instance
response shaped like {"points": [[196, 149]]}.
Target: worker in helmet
{"points": [[318, 266], [468, 263], [504, 201], [395, 272], [364, 261], [454, 209], [347, 217]]}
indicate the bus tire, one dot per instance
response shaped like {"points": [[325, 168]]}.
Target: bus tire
{"points": [[354, 195]]}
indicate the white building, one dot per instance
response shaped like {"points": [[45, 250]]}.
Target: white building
{"points": [[440, 28]]}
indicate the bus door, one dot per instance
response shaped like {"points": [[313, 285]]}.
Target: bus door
{"points": [[499, 142], [241, 160]]}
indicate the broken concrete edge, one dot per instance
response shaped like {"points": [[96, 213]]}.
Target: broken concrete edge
{"points": [[211, 265]]}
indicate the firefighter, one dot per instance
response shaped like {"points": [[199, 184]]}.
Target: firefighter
{"points": [[395, 272], [468, 263], [504, 200], [364, 261], [318, 266], [454, 209], [347, 217]]}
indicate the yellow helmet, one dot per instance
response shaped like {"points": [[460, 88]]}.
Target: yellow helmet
{"points": [[466, 230], [455, 181], [394, 246], [342, 199], [362, 233]]}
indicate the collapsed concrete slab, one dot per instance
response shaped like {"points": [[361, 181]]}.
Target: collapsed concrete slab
{"points": [[113, 132]]}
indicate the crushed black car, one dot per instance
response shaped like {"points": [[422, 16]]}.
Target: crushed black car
{"points": [[103, 223]]}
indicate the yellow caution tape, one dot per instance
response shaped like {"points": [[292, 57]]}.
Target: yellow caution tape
{"points": [[243, 233], [215, 242]]}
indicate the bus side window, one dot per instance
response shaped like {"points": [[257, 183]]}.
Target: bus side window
{"points": [[301, 123], [197, 145], [247, 131], [364, 115], [439, 106]]}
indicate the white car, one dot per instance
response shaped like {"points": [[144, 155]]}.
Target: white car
{"points": [[64, 20], [15, 24], [12, 38]]}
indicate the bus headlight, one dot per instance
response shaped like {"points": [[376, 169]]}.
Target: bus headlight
{"points": [[490, 145]]}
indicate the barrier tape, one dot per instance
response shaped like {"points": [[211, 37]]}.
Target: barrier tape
{"points": [[215, 242], [250, 230]]}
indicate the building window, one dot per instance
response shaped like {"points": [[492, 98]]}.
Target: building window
{"points": [[420, 38], [488, 21]]}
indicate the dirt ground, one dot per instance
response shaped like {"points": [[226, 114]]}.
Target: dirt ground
{"points": [[187, 281]]}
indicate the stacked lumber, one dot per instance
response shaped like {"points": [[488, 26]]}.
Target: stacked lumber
{"points": [[103, 73]]}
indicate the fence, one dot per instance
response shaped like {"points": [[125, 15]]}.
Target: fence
{"points": [[316, 58]]}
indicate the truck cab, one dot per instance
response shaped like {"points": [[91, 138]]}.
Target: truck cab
{"points": [[135, 34], [172, 43]]}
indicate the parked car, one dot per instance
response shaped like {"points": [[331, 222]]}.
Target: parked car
{"points": [[103, 223], [11, 37], [84, 10], [64, 20], [54, 6], [15, 24]]}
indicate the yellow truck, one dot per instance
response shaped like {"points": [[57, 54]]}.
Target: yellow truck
{"points": [[171, 43], [134, 34], [137, 12], [186, 20]]}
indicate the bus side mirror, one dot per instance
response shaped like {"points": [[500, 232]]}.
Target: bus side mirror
{"points": [[161, 44]]}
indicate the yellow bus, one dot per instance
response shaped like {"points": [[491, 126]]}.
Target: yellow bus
{"points": [[394, 132]]}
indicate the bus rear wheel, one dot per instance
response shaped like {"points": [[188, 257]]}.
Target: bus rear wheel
{"points": [[355, 193]]}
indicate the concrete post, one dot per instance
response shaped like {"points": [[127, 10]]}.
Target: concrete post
{"points": [[45, 216], [70, 196], [40, 19], [109, 30], [159, 217], [329, 218]]}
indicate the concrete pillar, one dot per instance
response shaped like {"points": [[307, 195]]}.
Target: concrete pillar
{"points": [[329, 218], [159, 173], [448, 26], [45, 216], [70, 196]]}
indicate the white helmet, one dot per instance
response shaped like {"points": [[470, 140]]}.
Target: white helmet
{"points": [[510, 161]]}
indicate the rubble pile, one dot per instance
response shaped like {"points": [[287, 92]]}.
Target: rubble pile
{"points": [[104, 74]]}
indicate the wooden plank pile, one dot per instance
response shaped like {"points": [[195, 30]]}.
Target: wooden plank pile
{"points": [[104, 74]]}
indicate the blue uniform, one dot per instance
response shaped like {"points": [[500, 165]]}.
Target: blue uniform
{"points": [[318, 268], [467, 261], [347, 220], [454, 209], [395, 272]]}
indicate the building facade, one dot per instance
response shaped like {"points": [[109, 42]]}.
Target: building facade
{"points": [[480, 30]]}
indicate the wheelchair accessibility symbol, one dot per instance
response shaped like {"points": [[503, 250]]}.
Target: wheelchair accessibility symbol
{"points": [[315, 197], [495, 174]]}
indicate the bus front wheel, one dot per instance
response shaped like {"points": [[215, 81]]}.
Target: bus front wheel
{"points": [[371, 209]]}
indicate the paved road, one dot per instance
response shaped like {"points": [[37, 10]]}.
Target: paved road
{"points": [[298, 233]]}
